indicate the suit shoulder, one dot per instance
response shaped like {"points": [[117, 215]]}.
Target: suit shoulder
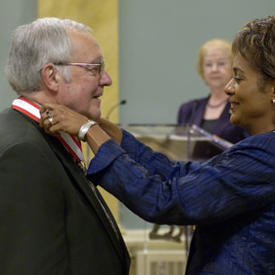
{"points": [[16, 128]]}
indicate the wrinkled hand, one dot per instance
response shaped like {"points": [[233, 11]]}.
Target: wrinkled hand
{"points": [[57, 118]]}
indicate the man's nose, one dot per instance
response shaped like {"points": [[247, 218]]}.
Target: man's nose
{"points": [[105, 79]]}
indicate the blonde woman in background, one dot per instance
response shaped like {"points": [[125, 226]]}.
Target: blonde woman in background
{"points": [[212, 112]]}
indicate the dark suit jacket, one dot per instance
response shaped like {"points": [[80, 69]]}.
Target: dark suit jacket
{"points": [[51, 222], [192, 112]]}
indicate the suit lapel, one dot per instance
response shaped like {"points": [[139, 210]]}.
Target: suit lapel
{"points": [[92, 195]]}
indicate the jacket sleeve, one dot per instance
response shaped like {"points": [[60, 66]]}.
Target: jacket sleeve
{"points": [[31, 226], [235, 182]]}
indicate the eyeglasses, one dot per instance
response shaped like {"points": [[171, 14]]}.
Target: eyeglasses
{"points": [[94, 68]]}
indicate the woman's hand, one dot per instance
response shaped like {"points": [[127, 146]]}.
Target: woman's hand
{"points": [[56, 118]]}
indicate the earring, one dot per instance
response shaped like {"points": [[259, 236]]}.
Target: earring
{"points": [[273, 101]]}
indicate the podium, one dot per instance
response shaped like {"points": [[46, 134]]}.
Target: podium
{"points": [[179, 143]]}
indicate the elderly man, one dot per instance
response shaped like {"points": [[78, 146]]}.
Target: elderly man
{"points": [[53, 220]]}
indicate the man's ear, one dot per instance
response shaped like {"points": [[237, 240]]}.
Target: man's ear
{"points": [[50, 77]]}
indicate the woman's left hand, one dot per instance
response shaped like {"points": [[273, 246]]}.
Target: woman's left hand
{"points": [[56, 118]]}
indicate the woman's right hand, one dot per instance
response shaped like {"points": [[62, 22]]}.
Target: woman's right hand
{"points": [[56, 118]]}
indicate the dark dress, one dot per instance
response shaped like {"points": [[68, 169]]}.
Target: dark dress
{"points": [[192, 112]]}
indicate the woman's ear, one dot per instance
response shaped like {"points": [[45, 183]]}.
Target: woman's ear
{"points": [[50, 77]]}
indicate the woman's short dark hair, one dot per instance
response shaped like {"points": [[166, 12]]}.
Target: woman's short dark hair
{"points": [[256, 44]]}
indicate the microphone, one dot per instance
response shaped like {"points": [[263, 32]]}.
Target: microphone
{"points": [[122, 102], [192, 117], [189, 126]]}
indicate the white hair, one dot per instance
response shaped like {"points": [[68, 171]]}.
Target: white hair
{"points": [[45, 40]]}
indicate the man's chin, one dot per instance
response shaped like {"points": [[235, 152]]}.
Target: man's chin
{"points": [[94, 115]]}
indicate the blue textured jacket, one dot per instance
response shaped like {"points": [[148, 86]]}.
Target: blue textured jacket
{"points": [[231, 199]]}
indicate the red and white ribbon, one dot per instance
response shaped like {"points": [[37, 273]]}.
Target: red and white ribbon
{"points": [[32, 109]]}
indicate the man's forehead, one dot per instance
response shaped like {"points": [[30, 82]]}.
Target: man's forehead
{"points": [[85, 42], [74, 33]]}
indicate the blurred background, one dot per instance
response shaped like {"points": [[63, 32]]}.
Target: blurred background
{"points": [[150, 48]]}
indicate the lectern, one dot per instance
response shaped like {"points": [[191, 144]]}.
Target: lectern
{"points": [[179, 142]]}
